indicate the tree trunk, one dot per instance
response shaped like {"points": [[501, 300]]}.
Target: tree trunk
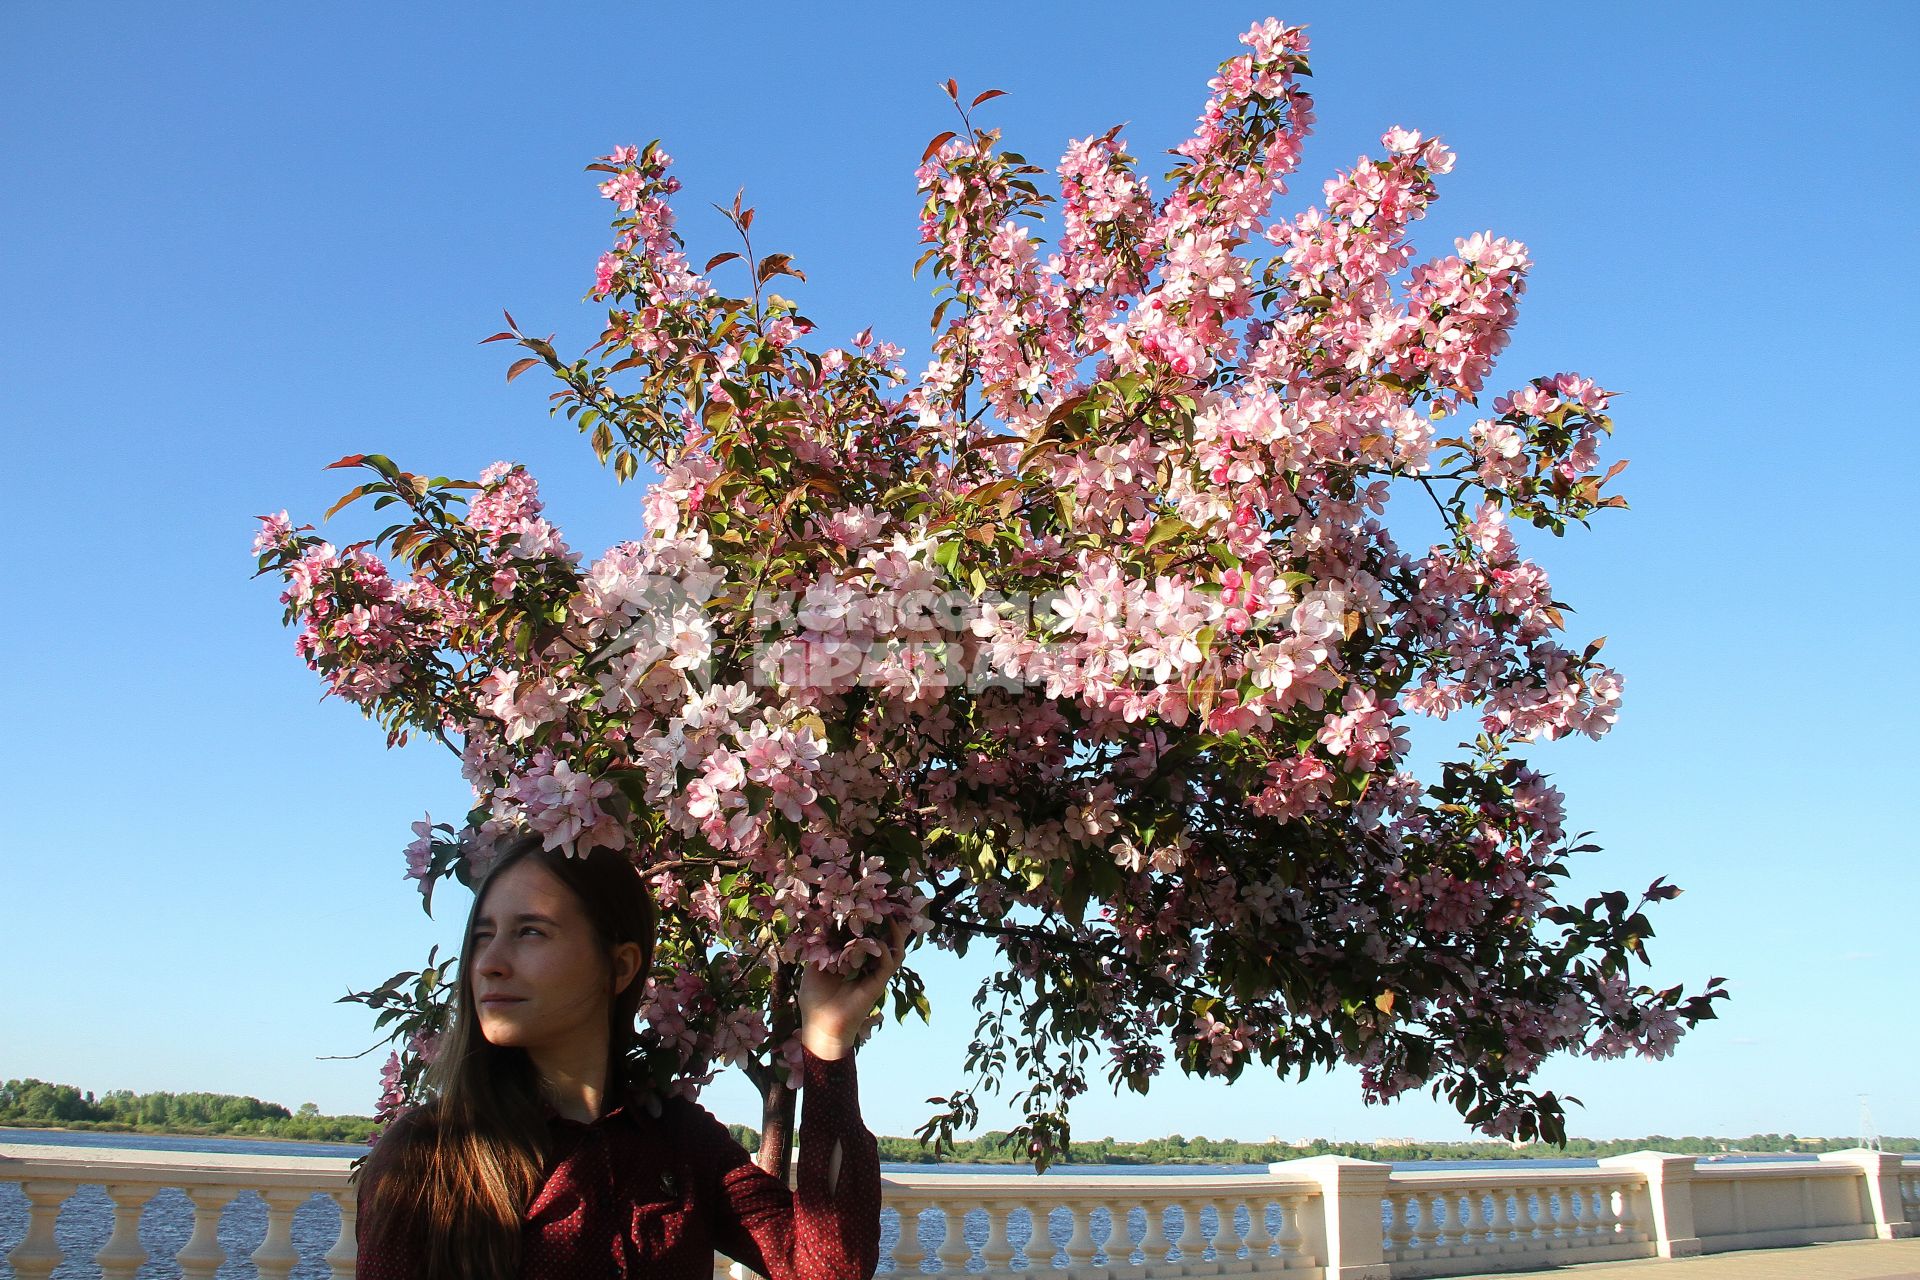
{"points": [[776, 1130], [776, 1099]]}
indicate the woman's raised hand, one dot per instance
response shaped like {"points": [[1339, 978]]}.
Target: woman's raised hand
{"points": [[834, 1009]]}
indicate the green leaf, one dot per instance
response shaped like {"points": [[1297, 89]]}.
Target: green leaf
{"points": [[1164, 528]]}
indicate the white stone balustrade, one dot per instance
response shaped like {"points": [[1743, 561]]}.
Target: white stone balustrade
{"points": [[1326, 1218], [48, 1175], [1084, 1226]]}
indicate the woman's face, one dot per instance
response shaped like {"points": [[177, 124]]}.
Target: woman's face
{"points": [[538, 977]]}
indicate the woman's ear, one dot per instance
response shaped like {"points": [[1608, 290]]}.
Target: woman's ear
{"points": [[626, 965]]}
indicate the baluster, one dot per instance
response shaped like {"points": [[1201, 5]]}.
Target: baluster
{"points": [[1583, 1224], [1259, 1240], [1190, 1242], [276, 1255], [908, 1252], [1080, 1245], [1400, 1231], [1459, 1208], [1539, 1207], [35, 1257], [202, 1255], [1493, 1233], [1556, 1206], [1629, 1212], [1485, 1214], [997, 1252], [345, 1248], [1154, 1245], [1542, 1213], [1446, 1219], [1038, 1237], [1479, 1221], [1123, 1235], [1229, 1238], [1117, 1238], [1513, 1212], [954, 1251], [1293, 1237], [123, 1253], [1514, 1218], [1605, 1221], [1224, 1243]]}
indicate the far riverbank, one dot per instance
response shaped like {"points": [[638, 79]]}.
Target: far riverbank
{"points": [[219, 1145]]}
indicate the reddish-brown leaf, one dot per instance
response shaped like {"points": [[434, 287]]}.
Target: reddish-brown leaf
{"points": [[953, 89], [717, 259], [777, 264], [521, 366], [498, 337], [936, 144], [351, 460], [511, 323], [358, 491], [989, 95]]}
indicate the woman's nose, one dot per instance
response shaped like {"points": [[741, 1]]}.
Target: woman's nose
{"points": [[491, 960]]}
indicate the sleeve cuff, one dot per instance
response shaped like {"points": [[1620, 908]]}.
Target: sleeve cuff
{"points": [[823, 1075]]}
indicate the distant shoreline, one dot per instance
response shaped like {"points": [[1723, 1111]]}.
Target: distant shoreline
{"points": [[1489, 1153], [157, 1131]]}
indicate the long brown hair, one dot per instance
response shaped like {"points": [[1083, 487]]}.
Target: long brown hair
{"points": [[451, 1180]]}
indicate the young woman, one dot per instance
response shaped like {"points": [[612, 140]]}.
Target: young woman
{"points": [[537, 1159]]}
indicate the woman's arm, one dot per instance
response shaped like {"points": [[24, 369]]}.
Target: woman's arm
{"points": [[828, 1226]]}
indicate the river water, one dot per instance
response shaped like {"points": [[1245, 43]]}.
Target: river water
{"points": [[167, 1221]]}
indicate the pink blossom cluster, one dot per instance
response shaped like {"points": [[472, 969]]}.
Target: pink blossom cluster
{"points": [[1181, 423]]}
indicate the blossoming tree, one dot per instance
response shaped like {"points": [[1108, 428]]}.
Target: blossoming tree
{"points": [[1090, 642]]}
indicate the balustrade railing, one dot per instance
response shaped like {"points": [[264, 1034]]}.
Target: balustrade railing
{"points": [[1494, 1218], [292, 1218], [48, 1177], [994, 1225]]}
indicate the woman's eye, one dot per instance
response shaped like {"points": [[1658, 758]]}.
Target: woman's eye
{"points": [[530, 929]]}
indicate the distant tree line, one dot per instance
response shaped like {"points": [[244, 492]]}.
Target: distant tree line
{"points": [[39, 1104], [1003, 1148]]}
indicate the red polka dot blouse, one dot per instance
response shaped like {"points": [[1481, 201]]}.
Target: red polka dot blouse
{"points": [[655, 1189]]}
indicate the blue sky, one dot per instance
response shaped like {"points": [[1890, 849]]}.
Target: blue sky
{"points": [[242, 241]]}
